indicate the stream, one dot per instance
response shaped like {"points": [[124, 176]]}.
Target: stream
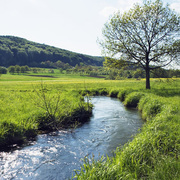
{"points": [[55, 155]]}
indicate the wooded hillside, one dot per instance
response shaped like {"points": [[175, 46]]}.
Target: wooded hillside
{"points": [[19, 51]]}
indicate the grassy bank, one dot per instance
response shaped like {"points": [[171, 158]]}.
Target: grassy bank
{"points": [[25, 113], [154, 152], [33, 104], [30, 105]]}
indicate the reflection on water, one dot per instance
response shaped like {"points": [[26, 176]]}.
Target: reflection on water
{"points": [[56, 155]]}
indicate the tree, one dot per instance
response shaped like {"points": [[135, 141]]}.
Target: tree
{"points": [[3, 70], [138, 73], [22, 69], [35, 70], [17, 68], [26, 68], [146, 35], [11, 69]]}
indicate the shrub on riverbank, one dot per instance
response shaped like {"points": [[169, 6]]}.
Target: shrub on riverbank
{"points": [[153, 153], [123, 93], [24, 114], [132, 99]]}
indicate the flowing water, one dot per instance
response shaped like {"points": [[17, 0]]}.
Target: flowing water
{"points": [[55, 155]]}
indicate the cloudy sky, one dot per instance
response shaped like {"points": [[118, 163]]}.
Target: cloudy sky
{"points": [[69, 24]]}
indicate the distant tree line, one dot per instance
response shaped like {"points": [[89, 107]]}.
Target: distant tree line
{"points": [[18, 69], [95, 71], [58, 64], [83, 69], [117, 74]]}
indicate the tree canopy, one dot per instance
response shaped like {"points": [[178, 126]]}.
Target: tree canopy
{"points": [[146, 35]]}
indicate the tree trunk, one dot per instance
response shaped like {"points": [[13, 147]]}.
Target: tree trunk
{"points": [[147, 77]]}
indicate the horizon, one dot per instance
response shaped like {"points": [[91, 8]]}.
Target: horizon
{"points": [[66, 24]]}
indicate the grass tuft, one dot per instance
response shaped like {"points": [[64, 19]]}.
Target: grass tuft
{"points": [[133, 98]]}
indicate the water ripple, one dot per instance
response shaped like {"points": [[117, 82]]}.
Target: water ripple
{"points": [[56, 155]]}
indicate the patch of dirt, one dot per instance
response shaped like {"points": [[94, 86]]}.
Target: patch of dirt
{"points": [[43, 76]]}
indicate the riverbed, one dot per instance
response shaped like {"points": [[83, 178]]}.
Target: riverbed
{"points": [[56, 155]]}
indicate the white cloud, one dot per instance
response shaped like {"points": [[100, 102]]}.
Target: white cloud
{"points": [[122, 5], [125, 5], [175, 6], [107, 11]]}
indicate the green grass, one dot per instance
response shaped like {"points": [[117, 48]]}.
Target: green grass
{"points": [[28, 108], [152, 154]]}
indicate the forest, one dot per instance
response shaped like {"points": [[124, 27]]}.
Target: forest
{"points": [[19, 51]]}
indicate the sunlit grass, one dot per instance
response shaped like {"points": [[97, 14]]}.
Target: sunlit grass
{"points": [[152, 154]]}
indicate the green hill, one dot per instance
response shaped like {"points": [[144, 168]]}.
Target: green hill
{"points": [[19, 51]]}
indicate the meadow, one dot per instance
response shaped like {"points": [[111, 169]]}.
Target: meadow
{"points": [[36, 104]]}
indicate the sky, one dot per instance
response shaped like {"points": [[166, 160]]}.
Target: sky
{"points": [[74, 25]]}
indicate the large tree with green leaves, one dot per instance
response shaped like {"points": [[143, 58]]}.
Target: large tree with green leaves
{"points": [[147, 35]]}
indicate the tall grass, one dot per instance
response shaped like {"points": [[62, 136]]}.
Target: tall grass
{"points": [[23, 114], [154, 152]]}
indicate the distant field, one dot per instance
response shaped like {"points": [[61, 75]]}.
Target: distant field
{"points": [[75, 82], [60, 80]]}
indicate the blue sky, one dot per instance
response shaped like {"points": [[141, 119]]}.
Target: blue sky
{"points": [[74, 25]]}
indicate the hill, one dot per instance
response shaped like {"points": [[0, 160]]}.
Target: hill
{"points": [[19, 51]]}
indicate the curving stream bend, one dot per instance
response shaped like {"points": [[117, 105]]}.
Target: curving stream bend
{"points": [[56, 155]]}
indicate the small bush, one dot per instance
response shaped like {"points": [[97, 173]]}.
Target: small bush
{"points": [[113, 92], [103, 92], [95, 92], [132, 99], [150, 106], [12, 133], [84, 92], [123, 93]]}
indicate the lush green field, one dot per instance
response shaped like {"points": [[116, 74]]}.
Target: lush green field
{"points": [[31, 104]]}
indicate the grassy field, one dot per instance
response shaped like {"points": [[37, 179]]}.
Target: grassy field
{"points": [[32, 104]]}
